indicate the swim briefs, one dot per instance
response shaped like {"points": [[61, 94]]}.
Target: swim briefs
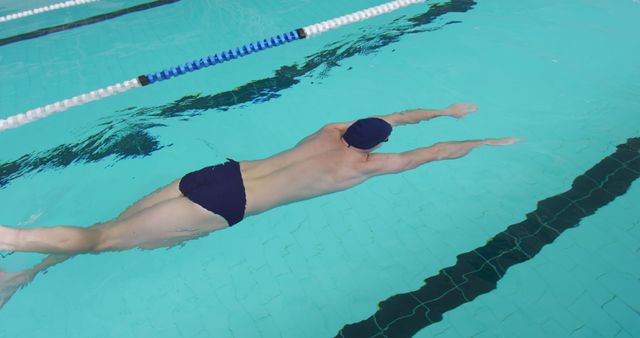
{"points": [[219, 189]]}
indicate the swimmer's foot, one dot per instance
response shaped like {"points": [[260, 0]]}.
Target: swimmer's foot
{"points": [[460, 110], [506, 141], [10, 282]]}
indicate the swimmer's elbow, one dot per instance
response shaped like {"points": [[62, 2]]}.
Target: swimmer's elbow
{"points": [[396, 119], [418, 157], [409, 162], [399, 164], [399, 119], [382, 164]]}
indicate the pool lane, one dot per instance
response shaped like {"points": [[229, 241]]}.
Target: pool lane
{"points": [[84, 22], [478, 271]]}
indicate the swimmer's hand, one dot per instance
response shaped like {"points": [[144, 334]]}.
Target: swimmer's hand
{"points": [[10, 282], [505, 141], [462, 109]]}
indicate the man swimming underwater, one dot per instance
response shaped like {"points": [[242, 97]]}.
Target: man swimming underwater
{"points": [[336, 157]]}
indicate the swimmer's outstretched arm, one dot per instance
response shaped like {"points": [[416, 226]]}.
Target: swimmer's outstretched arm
{"points": [[453, 150], [457, 110], [380, 164]]}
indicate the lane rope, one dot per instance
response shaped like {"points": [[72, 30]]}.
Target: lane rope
{"points": [[44, 9], [211, 60]]}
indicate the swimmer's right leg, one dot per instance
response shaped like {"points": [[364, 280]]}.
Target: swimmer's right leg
{"points": [[162, 225], [165, 193]]}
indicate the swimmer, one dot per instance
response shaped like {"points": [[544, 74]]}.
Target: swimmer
{"points": [[336, 157]]}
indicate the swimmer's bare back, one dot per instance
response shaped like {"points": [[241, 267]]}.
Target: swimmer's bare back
{"points": [[321, 163]]}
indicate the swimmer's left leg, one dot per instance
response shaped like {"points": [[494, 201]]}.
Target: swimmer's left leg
{"points": [[59, 239]]}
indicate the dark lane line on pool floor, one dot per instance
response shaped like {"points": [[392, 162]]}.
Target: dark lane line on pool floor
{"points": [[84, 22], [478, 271], [126, 135]]}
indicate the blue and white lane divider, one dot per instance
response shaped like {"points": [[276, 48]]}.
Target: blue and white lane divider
{"points": [[44, 9], [211, 60]]}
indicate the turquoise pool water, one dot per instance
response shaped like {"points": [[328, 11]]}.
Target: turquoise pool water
{"points": [[563, 75]]}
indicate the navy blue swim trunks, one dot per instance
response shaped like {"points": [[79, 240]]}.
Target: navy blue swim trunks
{"points": [[219, 189]]}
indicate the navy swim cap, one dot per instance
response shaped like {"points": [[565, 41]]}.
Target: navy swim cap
{"points": [[367, 133]]}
